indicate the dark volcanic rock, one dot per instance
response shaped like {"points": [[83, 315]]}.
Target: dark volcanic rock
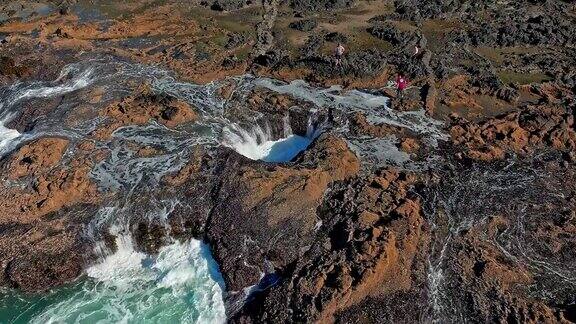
{"points": [[235, 40], [9, 68], [315, 5], [271, 58], [365, 63], [37, 257], [521, 27], [390, 33], [356, 64], [304, 24], [228, 5], [312, 46], [266, 213], [367, 245], [336, 37]]}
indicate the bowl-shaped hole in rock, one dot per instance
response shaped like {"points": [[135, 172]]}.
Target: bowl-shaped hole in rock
{"points": [[258, 144]]}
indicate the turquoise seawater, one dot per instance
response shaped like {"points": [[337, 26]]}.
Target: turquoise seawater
{"points": [[180, 285]]}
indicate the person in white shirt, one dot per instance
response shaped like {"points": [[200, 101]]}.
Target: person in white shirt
{"points": [[339, 53]]}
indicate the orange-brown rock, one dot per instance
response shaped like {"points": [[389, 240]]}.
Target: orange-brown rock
{"points": [[366, 247], [143, 108], [520, 132], [267, 101], [43, 209], [48, 186], [409, 145], [37, 157]]}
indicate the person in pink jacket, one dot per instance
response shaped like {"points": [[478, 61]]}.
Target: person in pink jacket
{"points": [[401, 84]]}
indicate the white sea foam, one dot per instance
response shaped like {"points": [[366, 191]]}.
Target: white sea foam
{"points": [[78, 81], [374, 106], [181, 284], [7, 135], [20, 91]]}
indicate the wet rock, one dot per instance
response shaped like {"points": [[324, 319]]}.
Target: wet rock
{"points": [[42, 272], [347, 248], [46, 254], [151, 237], [282, 114], [360, 127], [143, 107], [26, 118]]}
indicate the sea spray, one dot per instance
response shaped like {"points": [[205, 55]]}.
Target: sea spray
{"points": [[375, 106]]}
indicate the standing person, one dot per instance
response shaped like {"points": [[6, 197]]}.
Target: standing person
{"points": [[339, 53], [401, 84]]}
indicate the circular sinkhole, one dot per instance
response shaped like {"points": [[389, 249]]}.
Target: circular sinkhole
{"points": [[259, 142]]}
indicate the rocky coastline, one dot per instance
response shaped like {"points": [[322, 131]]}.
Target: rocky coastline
{"points": [[476, 226]]}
